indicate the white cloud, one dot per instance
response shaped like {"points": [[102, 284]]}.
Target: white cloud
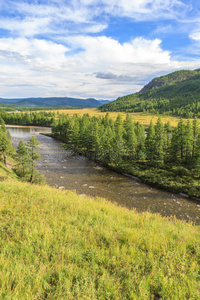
{"points": [[145, 9], [195, 35], [82, 15], [48, 69], [90, 65]]}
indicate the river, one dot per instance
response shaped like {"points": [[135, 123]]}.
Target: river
{"points": [[64, 170]]}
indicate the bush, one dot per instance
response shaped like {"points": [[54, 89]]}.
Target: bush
{"points": [[180, 171]]}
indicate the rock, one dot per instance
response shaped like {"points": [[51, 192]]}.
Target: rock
{"points": [[184, 195], [131, 176]]}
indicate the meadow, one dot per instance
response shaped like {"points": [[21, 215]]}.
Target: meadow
{"points": [[137, 117], [58, 245]]}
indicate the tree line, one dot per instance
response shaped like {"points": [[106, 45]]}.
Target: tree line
{"points": [[24, 156], [42, 118], [112, 141]]}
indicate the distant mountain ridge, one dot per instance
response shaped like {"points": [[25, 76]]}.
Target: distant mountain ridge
{"points": [[54, 102], [177, 93]]}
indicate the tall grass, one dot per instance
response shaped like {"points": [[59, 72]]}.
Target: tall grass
{"points": [[58, 245]]}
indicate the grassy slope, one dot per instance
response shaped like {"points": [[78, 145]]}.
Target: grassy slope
{"points": [[57, 245], [6, 173]]}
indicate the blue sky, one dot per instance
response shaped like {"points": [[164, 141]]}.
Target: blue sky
{"points": [[94, 48]]}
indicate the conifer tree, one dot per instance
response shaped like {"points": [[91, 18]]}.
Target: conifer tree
{"points": [[160, 142], [174, 147], [150, 142], [23, 158], [6, 147], [140, 133], [181, 138], [195, 137], [188, 141], [131, 140], [33, 144], [168, 130]]}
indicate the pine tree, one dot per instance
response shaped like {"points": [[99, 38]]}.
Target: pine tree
{"points": [[195, 137], [188, 141], [130, 137], [180, 140], [160, 142], [131, 141], [168, 130], [150, 142], [140, 133], [6, 147], [33, 144], [24, 159]]}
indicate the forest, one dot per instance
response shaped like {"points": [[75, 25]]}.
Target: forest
{"points": [[112, 140], [174, 94], [160, 155], [43, 118]]}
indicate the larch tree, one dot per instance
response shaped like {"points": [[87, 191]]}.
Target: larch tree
{"points": [[23, 157], [33, 144]]}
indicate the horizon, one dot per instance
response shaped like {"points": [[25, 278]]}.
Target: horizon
{"points": [[94, 49]]}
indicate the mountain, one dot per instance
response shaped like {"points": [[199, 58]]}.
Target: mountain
{"points": [[177, 93], [53, 102], [104, 101]]}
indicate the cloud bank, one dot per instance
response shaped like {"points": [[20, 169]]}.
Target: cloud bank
{"points": [[63, 48]]}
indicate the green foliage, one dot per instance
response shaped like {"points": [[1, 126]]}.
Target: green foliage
{"points": [[26, 156], [124, 145], [24, 159], [6, 147], [33, 144], [180, 171], [174, 94], [43, 118]]}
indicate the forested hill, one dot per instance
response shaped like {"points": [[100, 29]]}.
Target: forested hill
{"points": [[53, 101], [177, 94]]}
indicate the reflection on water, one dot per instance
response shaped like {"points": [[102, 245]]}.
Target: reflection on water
{"points": [[67, 171], [26, 132]]}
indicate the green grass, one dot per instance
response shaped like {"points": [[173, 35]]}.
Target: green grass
{"points": [[7, 173], [58, 245]]}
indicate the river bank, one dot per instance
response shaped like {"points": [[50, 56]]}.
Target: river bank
{"points": [[177, 180], [65, 170]]}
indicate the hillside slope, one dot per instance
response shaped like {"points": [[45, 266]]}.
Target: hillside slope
{"points": [[58, 245], [177, 94]]}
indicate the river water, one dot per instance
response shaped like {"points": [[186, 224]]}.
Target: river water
{"points": [[64, 170]]}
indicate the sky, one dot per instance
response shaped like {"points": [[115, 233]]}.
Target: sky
{"points": [[100, 49]]}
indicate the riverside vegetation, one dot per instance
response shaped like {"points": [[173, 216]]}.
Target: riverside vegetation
{"points": [[165, 157], [23, 159]]}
